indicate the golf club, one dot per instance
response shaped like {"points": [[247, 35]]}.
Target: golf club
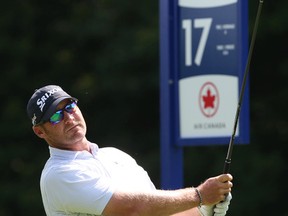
{"points": [[231, 143]]}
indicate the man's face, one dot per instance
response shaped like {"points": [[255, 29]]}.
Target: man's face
{"points": [[68, 134]]}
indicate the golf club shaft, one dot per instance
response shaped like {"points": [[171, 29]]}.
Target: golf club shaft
{"points": [[231, 143]]}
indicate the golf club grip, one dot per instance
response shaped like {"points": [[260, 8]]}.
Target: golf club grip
{"points": [[227, 164]]}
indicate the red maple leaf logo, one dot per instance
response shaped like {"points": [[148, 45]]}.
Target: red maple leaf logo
{"points": [[208, 100]]}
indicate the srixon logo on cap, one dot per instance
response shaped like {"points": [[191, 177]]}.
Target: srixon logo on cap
{"points": [[41, 101]]}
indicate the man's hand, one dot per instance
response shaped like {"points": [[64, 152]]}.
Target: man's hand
{"points": [[215, 189], [222, 207]]}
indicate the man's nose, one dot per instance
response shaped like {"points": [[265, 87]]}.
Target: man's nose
{"points": [[68, 116]]}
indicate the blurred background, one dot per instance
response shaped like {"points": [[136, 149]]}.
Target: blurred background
{"points": [[106, 53]]}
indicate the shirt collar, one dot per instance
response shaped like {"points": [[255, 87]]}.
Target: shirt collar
{"points": [[67, 154]]}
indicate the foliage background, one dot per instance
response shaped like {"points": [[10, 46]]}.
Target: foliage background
{"points": [[106, 53]]}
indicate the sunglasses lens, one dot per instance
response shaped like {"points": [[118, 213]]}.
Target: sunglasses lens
{"points": [[70, 108], [56, 117]]}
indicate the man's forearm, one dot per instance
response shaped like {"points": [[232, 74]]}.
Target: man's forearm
{"points": [[164, 202], [155, 203]]}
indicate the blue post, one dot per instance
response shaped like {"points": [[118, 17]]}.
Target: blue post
{"points": [[171, 154]]}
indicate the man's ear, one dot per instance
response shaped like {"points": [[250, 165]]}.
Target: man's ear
{"points": [[39, 131]]}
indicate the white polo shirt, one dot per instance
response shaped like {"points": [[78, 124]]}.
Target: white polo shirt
{"points": [[81, 183]]}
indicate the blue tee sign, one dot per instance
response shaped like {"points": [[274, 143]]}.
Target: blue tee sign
{"points": [[211, 53], [203, 53]]}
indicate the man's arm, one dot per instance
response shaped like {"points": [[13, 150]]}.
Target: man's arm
{"points": [[162, 202], [159, 202]]}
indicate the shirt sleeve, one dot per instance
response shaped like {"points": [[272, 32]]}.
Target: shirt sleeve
{"points": [[76, 190]]}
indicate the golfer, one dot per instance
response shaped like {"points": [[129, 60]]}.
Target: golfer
{"points": [[82, 179]]}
